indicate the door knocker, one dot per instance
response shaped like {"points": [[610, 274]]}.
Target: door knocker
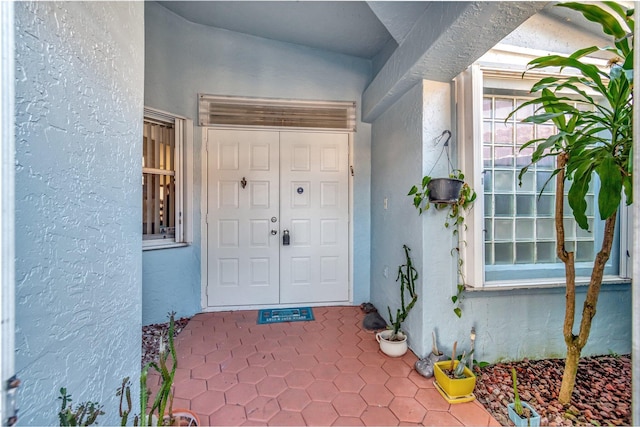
{"points": [[243, 183]]}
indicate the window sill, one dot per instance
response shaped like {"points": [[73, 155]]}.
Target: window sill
{"points": [[151, 246], [543, 284]]}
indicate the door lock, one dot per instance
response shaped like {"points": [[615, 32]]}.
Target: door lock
{"points": [[285, 238], [274, 232]]}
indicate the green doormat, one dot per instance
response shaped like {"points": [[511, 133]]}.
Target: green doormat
{"points": [[275, 315]]}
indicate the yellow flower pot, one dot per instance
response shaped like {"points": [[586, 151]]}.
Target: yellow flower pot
{"points": [[454, 390]]}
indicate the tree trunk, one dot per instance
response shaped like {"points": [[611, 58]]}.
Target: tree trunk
{"points": [[569, 374], [575, 343]]}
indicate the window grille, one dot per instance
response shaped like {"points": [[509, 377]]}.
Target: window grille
{"points": [[263, 112]]}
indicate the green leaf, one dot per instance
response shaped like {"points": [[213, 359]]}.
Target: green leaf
{"points": [[454, 298], [610, 187], [577, 195], [413, 191], [458, 311], [425, 180]]}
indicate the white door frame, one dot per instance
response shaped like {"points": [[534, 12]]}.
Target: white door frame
{"points": [[7, 208], [204, 249]]}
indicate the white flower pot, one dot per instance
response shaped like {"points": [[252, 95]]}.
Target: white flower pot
{"points": [[392, 348]]}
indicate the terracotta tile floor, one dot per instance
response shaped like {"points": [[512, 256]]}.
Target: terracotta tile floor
{"points": [[330, 371]]}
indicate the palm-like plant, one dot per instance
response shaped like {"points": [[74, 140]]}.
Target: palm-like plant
{"points": [[592, 111]]}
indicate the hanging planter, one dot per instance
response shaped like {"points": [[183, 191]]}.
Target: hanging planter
{"points": [[445, 190]]}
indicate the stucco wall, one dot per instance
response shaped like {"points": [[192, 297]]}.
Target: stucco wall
{"points": [[396, 164], [184, 59], [79, 100]]}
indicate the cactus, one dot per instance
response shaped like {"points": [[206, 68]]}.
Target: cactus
{"points": [[407, 276]]}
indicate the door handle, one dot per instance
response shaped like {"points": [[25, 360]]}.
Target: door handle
{"points": [[285, 238]]}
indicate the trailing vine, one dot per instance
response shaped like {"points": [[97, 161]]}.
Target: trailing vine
{"points": [[454, 220]]}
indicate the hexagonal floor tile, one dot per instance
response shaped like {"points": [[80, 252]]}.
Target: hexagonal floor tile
{"points": [[293, 400], [261, 409], [319, 413], [407, 409], [349, 404]]}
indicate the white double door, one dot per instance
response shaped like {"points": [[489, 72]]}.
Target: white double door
{"points": [[264, 188]]}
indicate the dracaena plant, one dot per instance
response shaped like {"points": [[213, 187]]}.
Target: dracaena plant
{"points": [[592, 112]]}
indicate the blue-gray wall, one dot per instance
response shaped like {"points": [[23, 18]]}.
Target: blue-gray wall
{"points": [[79, 100], [183, 59], [396, 164]]}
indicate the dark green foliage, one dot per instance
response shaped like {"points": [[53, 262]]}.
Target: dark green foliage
{"points": [[592, 110], [85, 413]]}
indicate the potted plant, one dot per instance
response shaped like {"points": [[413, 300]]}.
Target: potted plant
{"points": [[393, 342], [454, 380], [521, 413], [450, 193]]}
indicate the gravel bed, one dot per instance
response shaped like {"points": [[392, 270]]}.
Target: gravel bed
{"points": [[151, 335], [602, 394]]}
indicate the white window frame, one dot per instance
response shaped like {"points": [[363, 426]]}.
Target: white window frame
{"points": [[183, 175], [504, 62]]}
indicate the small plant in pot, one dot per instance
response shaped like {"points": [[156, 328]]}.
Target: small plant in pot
{"points": [[393, 342], [454, 380], [521, 413]]}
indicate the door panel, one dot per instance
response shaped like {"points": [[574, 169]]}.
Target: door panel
{"points": [[300, 180], [315, 210], [242, 253]]}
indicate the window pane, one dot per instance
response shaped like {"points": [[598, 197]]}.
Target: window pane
{"points": [[523, 157], [504, 205], [504, 229], [545, 252], [524, 133], [158, 180], [488, 181], [584, 251], [486, 108], [524, 112], [158, 146], [488, 230], [569, 228], [503, 156], [158, 218], [487, 132], [524, 205], [524, 253], [488, 205], [487, 157], [546, 205], [504, 180], [584, 234], [545, 229], [504, 253], [541, 180], [488, 254], [524, 230], [504, 107], [528, 182], [545, 131], [503, 133]]}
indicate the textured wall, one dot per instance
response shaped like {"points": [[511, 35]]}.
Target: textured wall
{"points": [[396, 164], [79, 100], [183, 59]]}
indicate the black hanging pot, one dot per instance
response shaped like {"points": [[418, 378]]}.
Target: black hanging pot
{"points": [[444, 190]]}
